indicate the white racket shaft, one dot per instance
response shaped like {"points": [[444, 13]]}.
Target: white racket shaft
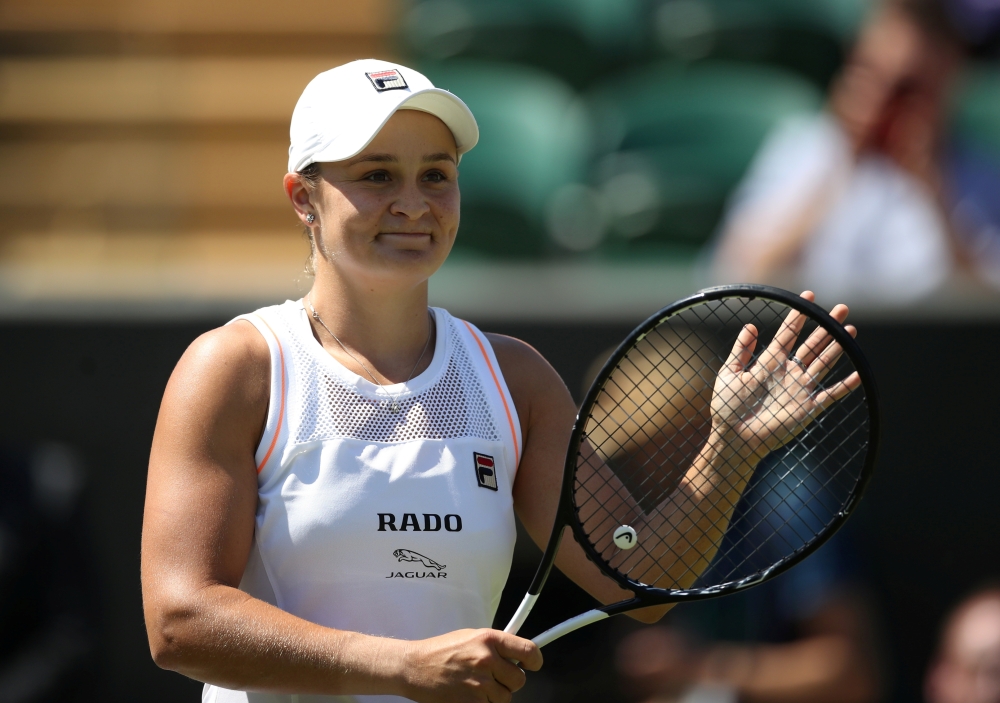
{"points": [[554, 633]]}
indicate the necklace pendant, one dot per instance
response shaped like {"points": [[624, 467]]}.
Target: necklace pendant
{"points": [[394, 408]]}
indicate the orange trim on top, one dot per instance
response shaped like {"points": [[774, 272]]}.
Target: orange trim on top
{"points": [[281, 409], [510, 418]]}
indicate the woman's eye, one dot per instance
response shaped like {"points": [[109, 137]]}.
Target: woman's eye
{"points": [[378, 177], [435, 177]]}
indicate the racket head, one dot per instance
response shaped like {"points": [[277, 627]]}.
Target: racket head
{"points": [[797, 497]]}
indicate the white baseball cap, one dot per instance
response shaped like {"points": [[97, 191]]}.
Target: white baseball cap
{"points": [[341, 110]]}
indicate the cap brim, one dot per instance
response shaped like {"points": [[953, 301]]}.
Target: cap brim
{"points": [[447, 107]]}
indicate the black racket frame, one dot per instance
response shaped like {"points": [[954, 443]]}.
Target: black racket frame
{"points": [[566, 514]]}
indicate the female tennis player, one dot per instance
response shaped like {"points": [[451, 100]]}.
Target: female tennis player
{"points": [[333, 481]]}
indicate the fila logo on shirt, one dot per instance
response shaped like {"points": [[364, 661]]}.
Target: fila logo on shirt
{"points": [[387, 80], [409, 522], [486, 471]]}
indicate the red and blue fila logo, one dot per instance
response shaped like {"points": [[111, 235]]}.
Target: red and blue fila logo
{"points": [[387, 80], [486, 471]]}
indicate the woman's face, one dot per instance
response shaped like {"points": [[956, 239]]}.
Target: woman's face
{"points": [[388, 216]]}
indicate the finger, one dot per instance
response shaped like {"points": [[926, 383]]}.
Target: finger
{"points": [[825, 361], [828, 359], [743, 348], [523, 651], [827, 397], [820, 337], [781, 346], [496, 692], [810, 349], [808, 295], [509, 675], [840, 312], [819, 340]]}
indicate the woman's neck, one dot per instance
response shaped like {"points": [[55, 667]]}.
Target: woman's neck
{"points": [[384, 332]]}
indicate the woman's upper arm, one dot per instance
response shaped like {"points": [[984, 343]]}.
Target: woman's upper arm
{"points": [[547, 412], [201, 494]]}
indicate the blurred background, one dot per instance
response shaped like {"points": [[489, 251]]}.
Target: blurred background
{"points": [[632, 152]]}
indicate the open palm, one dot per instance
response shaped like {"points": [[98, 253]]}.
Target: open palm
{"points": [[761, 405]]}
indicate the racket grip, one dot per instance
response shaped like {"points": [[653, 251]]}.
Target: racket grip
{"points": [[521, 615], [568, 626]]}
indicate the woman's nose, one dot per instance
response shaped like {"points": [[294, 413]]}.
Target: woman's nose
{"points": [[410, 203]]}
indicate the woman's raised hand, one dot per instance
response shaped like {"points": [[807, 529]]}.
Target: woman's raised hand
{"points": [[758, 407], [468, 666]]}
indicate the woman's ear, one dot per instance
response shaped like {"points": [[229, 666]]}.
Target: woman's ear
{"points": [[299, 193]]}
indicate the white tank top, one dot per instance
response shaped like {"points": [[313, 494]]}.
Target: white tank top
{"points": [[391, 524]]}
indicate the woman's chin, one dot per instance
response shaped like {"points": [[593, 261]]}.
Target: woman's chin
{"points": [[407, 265]]}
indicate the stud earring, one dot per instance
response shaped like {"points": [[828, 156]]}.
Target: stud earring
{"points": [[310, 218]]}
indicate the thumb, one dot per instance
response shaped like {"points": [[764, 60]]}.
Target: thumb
{"points": [[525, 652], [742, 349]]}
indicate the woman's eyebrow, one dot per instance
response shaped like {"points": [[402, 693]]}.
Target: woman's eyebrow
{"points": [[440, 156], [392, 159], [379, 158]]}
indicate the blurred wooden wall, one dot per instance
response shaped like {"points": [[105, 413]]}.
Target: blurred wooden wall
{"points": [[142, 144]]}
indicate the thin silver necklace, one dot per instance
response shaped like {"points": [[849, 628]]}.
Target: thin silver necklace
{"points": [[394, 406]]}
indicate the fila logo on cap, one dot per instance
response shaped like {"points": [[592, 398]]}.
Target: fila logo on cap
{"points": [[486, 474], [387, 80]]}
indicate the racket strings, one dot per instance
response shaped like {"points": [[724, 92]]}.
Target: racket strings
{"points": [[684, 555], [766, 543], [652, 418]]}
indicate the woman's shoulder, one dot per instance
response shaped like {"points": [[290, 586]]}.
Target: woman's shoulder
{"points": [[237, 343], [514, 351], [232, 361], [529, 376]]}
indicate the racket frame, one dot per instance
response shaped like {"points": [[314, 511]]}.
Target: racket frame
{"points": [[566, 513]]}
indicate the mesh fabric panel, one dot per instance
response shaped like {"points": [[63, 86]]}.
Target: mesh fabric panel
{"points": [[456, 405]]}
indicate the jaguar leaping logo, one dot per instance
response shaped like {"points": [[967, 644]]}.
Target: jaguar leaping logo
{"points": [[407, 555]]}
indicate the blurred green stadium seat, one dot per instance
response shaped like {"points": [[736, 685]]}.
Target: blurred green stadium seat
{"points": [[688, 134], [808, 37], [839, 17], [977, 113], [576, 40], [535, 139]]}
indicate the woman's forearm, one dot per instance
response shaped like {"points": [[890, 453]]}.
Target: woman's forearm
{"points": [[690, 522], [223, 636]]}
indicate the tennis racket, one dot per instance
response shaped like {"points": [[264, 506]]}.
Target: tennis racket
{"points": [[727, 438]]}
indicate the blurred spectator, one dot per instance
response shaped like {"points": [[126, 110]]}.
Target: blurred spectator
{"points": [[47, 607], [804, 637], [966, 668], [860, 201]]}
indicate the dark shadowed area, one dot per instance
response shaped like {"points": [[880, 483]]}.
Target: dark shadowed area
{"points": [[927, 531]]}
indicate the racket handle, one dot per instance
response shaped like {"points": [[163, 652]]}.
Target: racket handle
{"points": [[521, 615], [567, 627]]}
